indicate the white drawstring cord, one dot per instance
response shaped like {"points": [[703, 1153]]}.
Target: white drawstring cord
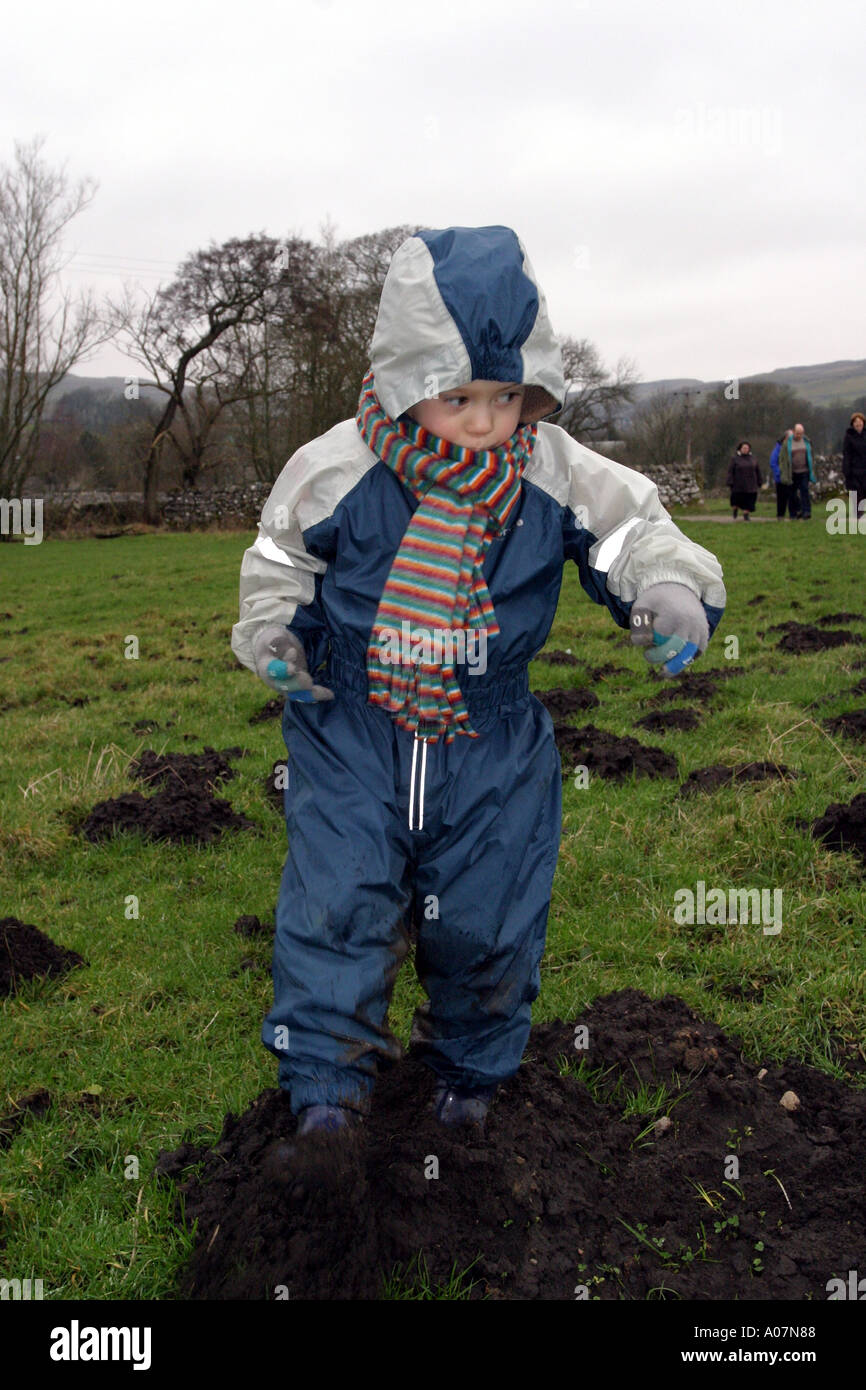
{"points": [[412, 780], [423, 742], [423, 779]]}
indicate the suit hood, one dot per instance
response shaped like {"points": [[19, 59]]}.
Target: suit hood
{"points": [[463, 304]]}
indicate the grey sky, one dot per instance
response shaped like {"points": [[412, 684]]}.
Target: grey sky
{"points": [[686, 177]]}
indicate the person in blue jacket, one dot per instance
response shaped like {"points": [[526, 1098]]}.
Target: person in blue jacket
{"points": [[410, 560], [787, 496]]}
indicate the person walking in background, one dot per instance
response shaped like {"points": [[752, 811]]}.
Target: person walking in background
{"points": [[786, 498], [744, 480], [796, 469], [854, 459]]}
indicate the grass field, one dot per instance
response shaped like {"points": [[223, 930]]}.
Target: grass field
{"points": [[157, 1038]]}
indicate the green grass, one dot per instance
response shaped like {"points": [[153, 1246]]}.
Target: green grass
{"points": [[414, 1283], [158, 1015]]}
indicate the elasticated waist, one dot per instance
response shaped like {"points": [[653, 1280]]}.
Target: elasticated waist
{"points": [[479, 693]]}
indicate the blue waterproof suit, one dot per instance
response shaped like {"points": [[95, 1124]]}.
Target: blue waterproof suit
{"points": [[388, 832]]}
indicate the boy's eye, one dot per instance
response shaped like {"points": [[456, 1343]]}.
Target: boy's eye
{"points": [[504, 396]]}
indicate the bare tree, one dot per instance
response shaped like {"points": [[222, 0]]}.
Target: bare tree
{"points": [[174, 331], [44, 332], [594, 396], [303, 367], [656, 436]]}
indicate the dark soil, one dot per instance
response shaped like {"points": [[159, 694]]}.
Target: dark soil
{"points": [[661, 721], [844, 827], [26, 952], [188, 770], [759, 598], [801, 637], [610, 668], [695, 685], [251, 926], [853, 724], [858, 689], [537, 1205], [255, 967], [272, 710], [561, 703], [556, 658], [608, 755], [35, 1104], [709, 779], [830, 618], [184, 809]]}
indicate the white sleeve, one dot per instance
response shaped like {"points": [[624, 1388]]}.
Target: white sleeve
{"points": [[277, 572]]}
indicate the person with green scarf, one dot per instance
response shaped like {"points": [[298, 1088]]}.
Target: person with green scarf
{"points": [[796, 468]]}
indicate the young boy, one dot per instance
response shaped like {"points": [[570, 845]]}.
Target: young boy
{"points": [[431, 528]]}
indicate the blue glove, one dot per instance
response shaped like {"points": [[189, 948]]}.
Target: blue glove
{"points": [[669, 622], [281, 664]]}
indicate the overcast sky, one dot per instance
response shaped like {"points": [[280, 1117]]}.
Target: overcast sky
{"points": [[687, 177]]}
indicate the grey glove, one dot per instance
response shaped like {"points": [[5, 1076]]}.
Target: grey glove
{"points": [[281, 664], [670, 623]]}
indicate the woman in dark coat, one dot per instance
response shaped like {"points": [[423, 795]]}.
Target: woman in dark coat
{"points": [[854, 459], [744, 480]]}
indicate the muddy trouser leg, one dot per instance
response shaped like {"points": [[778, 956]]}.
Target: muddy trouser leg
{"points": [[341, 922], [488, 870]]}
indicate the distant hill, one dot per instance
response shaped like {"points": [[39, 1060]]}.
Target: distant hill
{"points": [[821, 384], [72, 382]]}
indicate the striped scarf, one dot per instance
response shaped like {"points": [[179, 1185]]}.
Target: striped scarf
{"points": [[435, 583]]}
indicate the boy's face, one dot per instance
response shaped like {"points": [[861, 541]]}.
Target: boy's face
{"points": [[480, 415]]}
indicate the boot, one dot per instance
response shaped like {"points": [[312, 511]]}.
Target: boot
{"points": [[454, 1106], [326, 1117]]}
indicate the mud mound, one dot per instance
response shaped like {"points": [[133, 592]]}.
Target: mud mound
{"points": [[709, 779], [759, 598], [662, 720], [26, 952], [272, 710], [802, 637], [251, 926], [184, 810], [556, 658], [844, 827], [608, 755], [190, 770], [561, 703], [600, 673], [695, 685], [544, 1201], [147, 725], [853, 724], [830, 618], [35, 1104]]}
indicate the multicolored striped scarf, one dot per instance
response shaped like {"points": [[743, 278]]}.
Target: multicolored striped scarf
{"points": [[435, 584]]}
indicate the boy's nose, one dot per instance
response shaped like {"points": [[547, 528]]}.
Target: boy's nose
{"points": [[480, 420]]}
